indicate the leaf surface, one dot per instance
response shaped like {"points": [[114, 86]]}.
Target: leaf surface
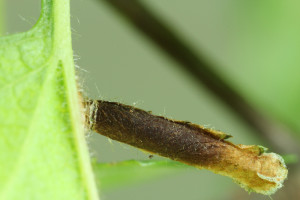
{"points": [[44, 155], [130, 172]]}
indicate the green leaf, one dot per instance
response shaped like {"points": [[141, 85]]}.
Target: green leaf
{"points": [[120, 174], [42, 145]]}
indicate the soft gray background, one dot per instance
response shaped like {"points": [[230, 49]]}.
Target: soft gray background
{"points": [[116, 63]]}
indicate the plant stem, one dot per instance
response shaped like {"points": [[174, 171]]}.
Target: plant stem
{"points": [[63, 52], [165, 38]]}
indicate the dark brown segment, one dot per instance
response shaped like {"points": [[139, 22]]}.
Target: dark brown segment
{"points": [[174, 139]]}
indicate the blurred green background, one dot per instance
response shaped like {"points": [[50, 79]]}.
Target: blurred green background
{"points": [[255, 45]]}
